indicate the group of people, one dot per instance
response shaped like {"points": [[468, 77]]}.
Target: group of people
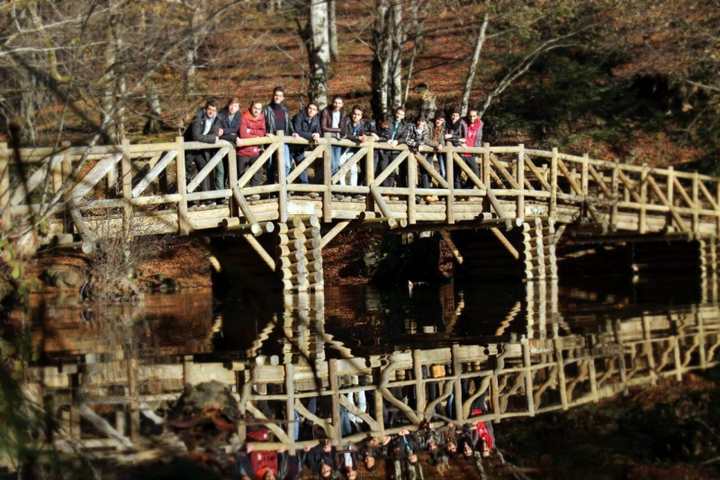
{"points": [[258, 120], [400, 454]]}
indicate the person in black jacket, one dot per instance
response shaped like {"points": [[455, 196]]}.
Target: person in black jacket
{"points": [[305, 124], [353, 129], [205, 128], [229, 118], [277, 119]]}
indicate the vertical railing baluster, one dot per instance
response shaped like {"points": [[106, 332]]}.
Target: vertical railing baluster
{"points": [[412, 186], [450, 174], [553, 183], [232, 180], [520, 213], [696, 202], [182, 208], [126, 165], [370, 172], [282, 183], [327, 179]]}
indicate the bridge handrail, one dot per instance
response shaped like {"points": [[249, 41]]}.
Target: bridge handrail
{"points": [[512, 174]]}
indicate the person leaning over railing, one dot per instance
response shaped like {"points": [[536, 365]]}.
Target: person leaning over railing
{"points": [[229, 118], [355, 131], [455, 133], [418, 136], [437, 141], [205, 128], [252, 125], [306, 124], [397, 134], [332, 120], [277, 118]]}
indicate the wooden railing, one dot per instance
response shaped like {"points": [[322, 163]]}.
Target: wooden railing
{"points": [[144, 187], [518, 378]]}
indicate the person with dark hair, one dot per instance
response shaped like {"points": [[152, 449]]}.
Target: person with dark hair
{"points": [[306, 124], [277, 119], [205, 128], [229, 118], [332, 121], [252, 125], [353, 130], [322, 457], [397, 134], [456, 129]]}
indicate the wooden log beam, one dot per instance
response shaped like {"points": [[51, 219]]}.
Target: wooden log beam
{"points": [[260, 250], [333, 232], [506, 243]]}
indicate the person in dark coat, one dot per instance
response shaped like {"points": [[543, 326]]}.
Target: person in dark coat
{"points": [[397, 133], [205, 128], [354, 130], [324, 453], [277, 118], [229, 118], [306, 124]]}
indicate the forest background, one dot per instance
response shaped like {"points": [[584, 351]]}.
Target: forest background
{"points": [[634, 80]]}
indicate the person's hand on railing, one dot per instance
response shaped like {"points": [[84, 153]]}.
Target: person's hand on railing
{"points": [[220, 132], [237, 142], [315, 137], [295, 135], [392, 142]]}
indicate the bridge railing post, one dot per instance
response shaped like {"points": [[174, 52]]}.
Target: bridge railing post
{"points": [[520, 214], [232, 180], [553, 183], [282, 183], [585, 176], [181, 180], [412, 185], [126, 166], [327, 179], [696, 202], [450, 173], [670, 194], [370, 171], [5, 186]]}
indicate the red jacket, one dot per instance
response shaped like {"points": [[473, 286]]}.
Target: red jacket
{"points": [[251, 127], [474, 134]]}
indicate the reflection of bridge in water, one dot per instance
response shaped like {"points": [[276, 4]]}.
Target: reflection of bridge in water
{"points": [[541, 367]]}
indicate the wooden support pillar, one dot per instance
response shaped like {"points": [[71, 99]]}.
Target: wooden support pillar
{"points": [[670, 186], [616, 197]]}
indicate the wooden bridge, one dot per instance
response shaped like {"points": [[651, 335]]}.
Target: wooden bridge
{"points": [[546, 369], [141, 189]]}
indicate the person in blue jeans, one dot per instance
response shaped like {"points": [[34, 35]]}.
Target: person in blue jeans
{"points": [[306, 124], [332, 121]]}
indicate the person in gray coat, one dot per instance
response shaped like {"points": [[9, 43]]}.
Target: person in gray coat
{"points": [[205, 128]]}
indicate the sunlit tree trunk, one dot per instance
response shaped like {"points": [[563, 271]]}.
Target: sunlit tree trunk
{"points": [[396, 55], [332, 30], [381, 59], [319, 51], [472, 70]]}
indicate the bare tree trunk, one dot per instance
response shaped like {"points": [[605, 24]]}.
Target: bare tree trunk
{"points": [[396, 56], [319, 51], [381, 59], [108, 96], [479, 42], [197, 18], [152, 99], [417, 44], [332, 30]]}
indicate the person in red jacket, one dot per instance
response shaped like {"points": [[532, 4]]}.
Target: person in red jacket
{"points": [[473, 138], [252, 125]]}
